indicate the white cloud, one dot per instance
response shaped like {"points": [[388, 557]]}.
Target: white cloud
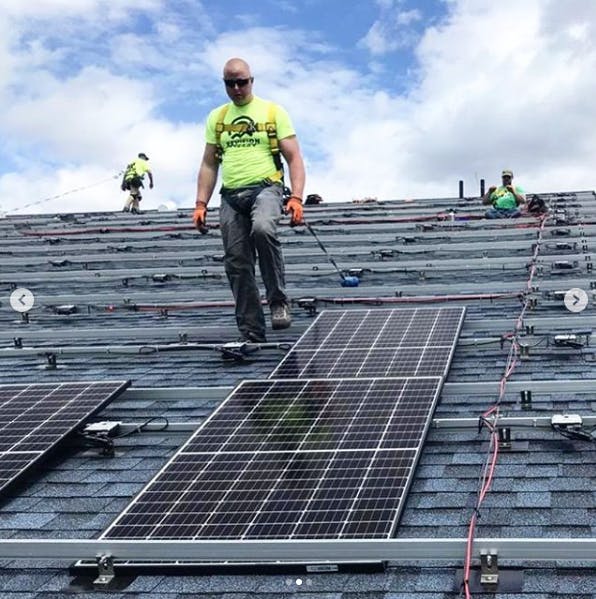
{"points": [[89, 9], [496, 84], [406, 17], [391, 30], [487, 96]]}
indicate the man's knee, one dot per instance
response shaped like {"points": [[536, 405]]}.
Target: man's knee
{"points": [[265, 229], [236, 263]]}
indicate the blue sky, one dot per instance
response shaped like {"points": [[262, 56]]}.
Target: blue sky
{"points": [[390, 98]]}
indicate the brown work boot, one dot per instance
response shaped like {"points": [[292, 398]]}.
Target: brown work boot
{"points": [[280, 316]]}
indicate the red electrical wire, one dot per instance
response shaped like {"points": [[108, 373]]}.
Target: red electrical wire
{"points": [[438, 217], [491, 463]]}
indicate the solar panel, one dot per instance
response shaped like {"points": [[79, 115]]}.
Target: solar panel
{"points": [[291, 459], [375, 343], [34, 418]]}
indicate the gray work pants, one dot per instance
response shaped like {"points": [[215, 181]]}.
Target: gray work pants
{"points": [[248, 219]]}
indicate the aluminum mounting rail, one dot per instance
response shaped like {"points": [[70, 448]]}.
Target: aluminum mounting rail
{"points": [[403, 292], [430, 230], [529, 549], [388, 252], [287, 237], [578, 261], [547, 386], [372, 226], [521, 422], [147, 349], [171, 253], [541, 325]]}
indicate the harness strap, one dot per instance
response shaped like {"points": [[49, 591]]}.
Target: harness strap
{"points": [[269, 127], [219, 128]]}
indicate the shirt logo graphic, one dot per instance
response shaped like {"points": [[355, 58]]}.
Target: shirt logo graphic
{"points": [[242, 134], [248, 127]]}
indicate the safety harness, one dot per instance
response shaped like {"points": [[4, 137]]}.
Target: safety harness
{"points": [[269, 127]]}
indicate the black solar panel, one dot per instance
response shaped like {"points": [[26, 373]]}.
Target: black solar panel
{"points": [[375, 343], [291, 459], [34, 418]]}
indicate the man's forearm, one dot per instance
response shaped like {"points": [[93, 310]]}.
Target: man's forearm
{"points": [[206, 183], [297, 176]]}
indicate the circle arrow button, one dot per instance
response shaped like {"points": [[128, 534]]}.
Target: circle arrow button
{"points": [[576, 300], [21, 299]]}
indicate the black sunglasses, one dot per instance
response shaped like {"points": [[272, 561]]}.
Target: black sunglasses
{"points": [[238, 82]]}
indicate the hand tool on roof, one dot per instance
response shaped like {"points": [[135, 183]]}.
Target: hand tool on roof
{"points": [[346, 281]]}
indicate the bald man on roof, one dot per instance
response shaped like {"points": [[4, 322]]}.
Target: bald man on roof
{"points": [[247, 136]]}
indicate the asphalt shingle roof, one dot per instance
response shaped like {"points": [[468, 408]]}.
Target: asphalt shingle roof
{"points": [[105, 265]]}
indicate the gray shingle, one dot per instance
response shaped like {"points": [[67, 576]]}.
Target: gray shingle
{"points": [[546, 490]]}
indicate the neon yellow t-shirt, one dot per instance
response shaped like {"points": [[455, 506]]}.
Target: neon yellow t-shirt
{"points": [[137, 168], [247, 155]]}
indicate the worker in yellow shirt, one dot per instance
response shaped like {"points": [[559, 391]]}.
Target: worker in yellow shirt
{"points": [[132, 180], [247, 136]]}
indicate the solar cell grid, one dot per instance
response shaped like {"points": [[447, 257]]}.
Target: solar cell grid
{"points": [[291, 459], [281, 495], [34, 418], [403, 361], [375, 343], [323, 414]]}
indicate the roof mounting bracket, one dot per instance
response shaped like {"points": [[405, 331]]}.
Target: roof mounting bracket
{"points": [[237, 350], [105, 566], [524, 351], [309, 304], [489, 579], [489, 569], [25, 317], [52, 361], [526, 399], [504, 438]]}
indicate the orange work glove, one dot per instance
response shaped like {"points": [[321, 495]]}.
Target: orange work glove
{"points": [[295, 210], [199, 217]]}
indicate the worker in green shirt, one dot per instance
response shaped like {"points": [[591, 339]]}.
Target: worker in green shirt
{"points": [[132, 180], [505, 200], [247, 136]]}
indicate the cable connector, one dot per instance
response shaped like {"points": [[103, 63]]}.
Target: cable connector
{"points": [[566, 420], [568, 340], [106, 427]]}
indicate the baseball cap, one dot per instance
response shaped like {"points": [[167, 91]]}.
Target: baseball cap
{"points": [[506, 173], [143, 155]]}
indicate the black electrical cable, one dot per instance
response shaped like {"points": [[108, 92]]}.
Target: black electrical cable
{"points": [[578, 433], [141, 427], [99, 440]]}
